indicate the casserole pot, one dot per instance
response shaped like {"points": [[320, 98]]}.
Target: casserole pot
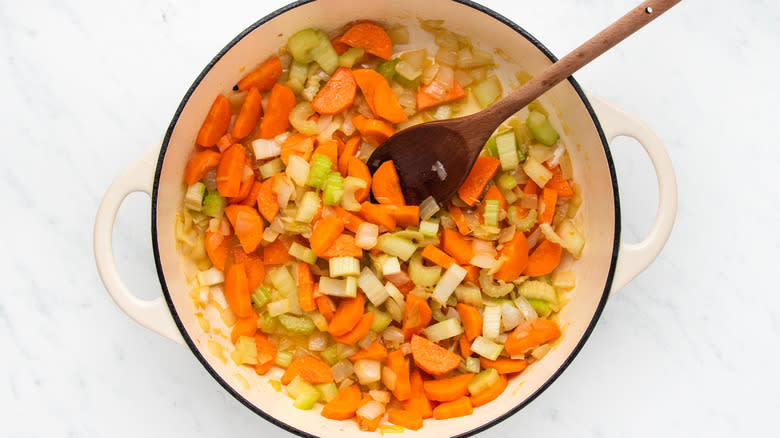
{"points": [[590, 123]]}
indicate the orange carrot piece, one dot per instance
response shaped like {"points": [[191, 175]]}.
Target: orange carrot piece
{"points": [[230, 171], [277, 114], [504, 365], [216, 123], [276, 253], [397, 363], [225, 142], [437, 256], [255, 269], [358, 169], [375, 351], [547, 205], [339, 46], [448, 389], [471, 319], [375, 214], [361, 329], [479, 177], [266, 353], [465, 346], [527, 336], [250, 113], [325, 232], [456, 408], [460, 219], [306, 288], [365, 424], [202, 163], [217, 248], [409, 419], [417, 315], [367, 79], [347, 316], [417, 400], [243, 190], [266, 200], [329, 149], [515, 254], [263, 77], [544, 259], [247, 225], [325, 307], [385, 185], [297, 144], [406, 215], [428, 96], [386, 104], [344, 405], [369, 37], [374, 130], [530, 188], [343, 246], [244, 327], [251, 199], [472, 273], [311, 369], [493, 193], [337, 94], [351, 222], [456, 246], [350, 150], [558, 183], [432, 358], [490, 393], [237, 291]]}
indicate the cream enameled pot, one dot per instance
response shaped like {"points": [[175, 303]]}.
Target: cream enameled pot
{"points": [[606, 264]]}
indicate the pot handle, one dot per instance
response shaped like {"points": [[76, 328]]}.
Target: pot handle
{"points": [[634, 258], [154, 314]]}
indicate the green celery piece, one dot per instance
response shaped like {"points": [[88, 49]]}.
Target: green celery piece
{"points": [[491, 147], [351, 56], [328, 391], [334, 189], [331, 354], [261, 296], [387, 69], [319, 171], [541, 128], [301, 44], [406, 83], [213, 204], [300, 325], [483, 380], [542, 308]]}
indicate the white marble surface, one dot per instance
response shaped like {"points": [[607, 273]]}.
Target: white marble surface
{"points": [[690, 348]]}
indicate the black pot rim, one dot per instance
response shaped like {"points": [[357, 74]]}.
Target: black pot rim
{"points": [[229, 388]]}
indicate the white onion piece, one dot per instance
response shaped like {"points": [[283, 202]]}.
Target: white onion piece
{"points": [[368, 371], [380, 396], [393, 335], [266, 148], [525, 308], [371, 410], [211, 277], [533, 238], [483, 260], [366, 236], [482, 246], [557, 154], [389, 378], [318, 341], [341, 370], [511, 317], [406, 348], [367, 340], [529, 201]]}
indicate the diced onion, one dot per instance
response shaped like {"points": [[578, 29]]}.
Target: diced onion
{"points": [[368, 371], [392, 335], [428, 208], [318, 341], [389, 378], [298, 170], [394, 293], [266, 148], [525, 308], [371, 410], [366, 236], [486, 348], [511, 317], [380, 396], [372, 287], [211, 277], [449, 281], [341, 370]]}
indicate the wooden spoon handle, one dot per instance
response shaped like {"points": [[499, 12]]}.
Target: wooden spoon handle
{"points": [[588, 51]]}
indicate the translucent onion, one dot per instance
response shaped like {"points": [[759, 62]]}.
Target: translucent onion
{"points": [[318, 341], [366, 236], [557, 153], [449, 281], [511, 317], [446, 77], [533, 238], [380, 396], [525, 308], [342, 370], [266, 148], [211, 277], [284, 190], [529, 201], [447, 56], [389, 378], [298, 170], [371, 410], [367, 371], [428, 208], [393, 335], [483, 260]]}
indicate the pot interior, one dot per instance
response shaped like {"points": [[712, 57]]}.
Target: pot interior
{"points": [[570, 115]]}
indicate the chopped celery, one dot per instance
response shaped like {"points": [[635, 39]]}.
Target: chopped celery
{"points": [[351, 185], [371, 286], [283, 281], [351, 56], [344, 266], [387, 68], [449, 281], [396, 246], [381, 319], [536, 171], [270, 324], [442, 112], [482, 381], [391, 266], [428, 208], [328, 391], [271, 168], [300, 325], [471, 364], [334, 189], [301, 44], [429, 228], [488, 90], [490, 214], [491, 148], [486, 348], [299, 119], [437, 314], [507, 151], [509, 196], [406, 83], [279, 307], [491, 322], [297, 76], [521, 224], [330, 354], [302, 253], [308, 207], [303, 392], [407, 70], [193, 199], [338, 288], [541, 128], [538, 290], [324, 54], [506, 182], [572, 238], [213, 204], [449, 328], [247, 350], [394, 293], [491, 289], [320, 169], [423, 276], [283, 359], [541, 307], [466, 293], [261, 296]]}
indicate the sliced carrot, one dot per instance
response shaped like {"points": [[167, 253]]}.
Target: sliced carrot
{"points": [[325, 232], [267, 202], [247, 225], [339, 46], [448, 389], [406, 215], [460, 219], [493, 193], [504, 365], [325, 307], [417, 401], [244, 327], [361, 329], [277, 114], [369, 37], [456, 246], [456, 408], [347, 316], [243, 191], [351, 222], [530, 335], [472, 273], [558, 182], [344, 405], [306, 288], [387, 105], [432, 358], [515, 254], [375, 131], [367, 424], [375, 214], [409, 419], [367, 79], [530, 188], [277, 252], [263, 77], [311, 369], [437, 256], [255, 269], [385, 185], [544, 259], [266, 353], [343, 246], [251, 198], [250, 113], [465, 346], [350, 150], [225, 142], [217, 248], [329, 149], [230, 171], [417, 315], [479, 177], [397, 363], [237, 291], [202, 163], [216, 123], [358, 169], [547, 205], [471, 320], [375, 351], [490, 393], [297, 144], [337, 94], [430, 96]]}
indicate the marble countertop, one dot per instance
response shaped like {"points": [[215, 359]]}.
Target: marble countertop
{"points": [[689, 348]]}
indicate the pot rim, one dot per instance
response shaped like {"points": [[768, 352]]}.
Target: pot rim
{"points": [[288, 427]]}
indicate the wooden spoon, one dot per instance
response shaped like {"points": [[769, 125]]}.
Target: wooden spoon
{"points": [[455, 144]]}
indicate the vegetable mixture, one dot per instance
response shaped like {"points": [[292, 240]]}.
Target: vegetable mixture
{"points": [[383, 312]]}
